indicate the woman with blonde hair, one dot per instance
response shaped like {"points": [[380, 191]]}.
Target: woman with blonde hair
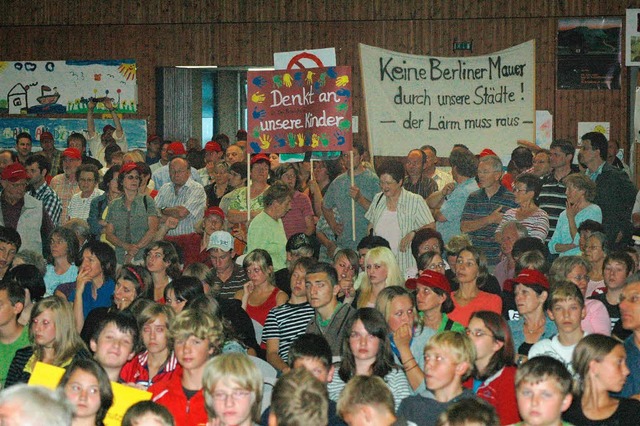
{"points": [[381, 271], [259, 295], [233, 390], [54, 340], [599, 361]]}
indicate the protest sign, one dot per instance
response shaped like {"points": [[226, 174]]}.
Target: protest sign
{"points": [[480, 101], [299, 110]]}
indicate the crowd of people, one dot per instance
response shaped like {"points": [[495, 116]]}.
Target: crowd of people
{"points": [[240, 290]]}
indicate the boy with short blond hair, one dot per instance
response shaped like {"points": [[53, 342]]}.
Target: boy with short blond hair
{"points": [[448, 358], [566, 309], [548, 382]]}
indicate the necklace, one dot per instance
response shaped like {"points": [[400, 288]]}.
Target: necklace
{"points": [[533, 330]]}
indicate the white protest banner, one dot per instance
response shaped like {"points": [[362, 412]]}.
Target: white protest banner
{"points": [[480, 101]]}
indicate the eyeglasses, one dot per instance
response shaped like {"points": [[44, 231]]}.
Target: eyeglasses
{"points": [[579, 277], [236, 395], [434, 266], [478, 333], [519, 190]]}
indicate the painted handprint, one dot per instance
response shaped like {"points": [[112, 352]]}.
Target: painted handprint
{"points": [[310, 77], [340, 138], [331, 72], [256, 132], [259, 81], [300, 139], [277, 80], [344, 92], [322, 78], [342, 107], [258, 113], [324, 140], [292, 140], [266, 140], [257, 98], [344, 125], [286, 79], [315, 140], [298, 78], [281, 141], [255, 147], [343, 80]]}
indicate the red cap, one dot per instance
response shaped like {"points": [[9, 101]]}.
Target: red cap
{"points": [[214, 210], [108, 127], [429, 278], [528, 277], [154, 138], [72, 153], [46, 136], [212, 146], [176, 148], [14, 172], [127, 167], [259, 157], [485, 152]]}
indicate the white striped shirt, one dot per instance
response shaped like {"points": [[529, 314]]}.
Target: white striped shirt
{"points": [[286, 323], [79, 207], [191, 196]]}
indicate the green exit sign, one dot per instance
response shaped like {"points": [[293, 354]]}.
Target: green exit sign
{"points": [[462, 45]]}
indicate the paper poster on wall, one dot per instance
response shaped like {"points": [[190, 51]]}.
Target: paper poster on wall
{"points": [[61, 128], [544, 129], [595, 126], [589, 53], [65, 87], [632, 39], [481, 101], [299, 110]]}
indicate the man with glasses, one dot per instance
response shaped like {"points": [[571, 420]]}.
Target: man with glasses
{"points": [[183, 198], [226, 277], [483, 211], [615, 194]]}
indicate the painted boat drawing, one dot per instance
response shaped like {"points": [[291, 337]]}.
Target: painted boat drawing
{"points": [[49, 96]]}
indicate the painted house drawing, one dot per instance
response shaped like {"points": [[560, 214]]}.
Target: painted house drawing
{"points": [[17, 99]]}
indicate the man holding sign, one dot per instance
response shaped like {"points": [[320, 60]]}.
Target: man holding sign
{"points": [[367, 184]]}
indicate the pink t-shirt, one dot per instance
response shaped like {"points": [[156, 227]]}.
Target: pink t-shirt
{"points": [[295, 220]]}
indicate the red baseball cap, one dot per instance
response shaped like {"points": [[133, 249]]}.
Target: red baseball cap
{"points": [[176, 148], [485, 152], [14, 172], [72, 153], [212, 146], [214, 210], [530, 277], [259, 157], [429, 278], [46, 136], [127, 167]]}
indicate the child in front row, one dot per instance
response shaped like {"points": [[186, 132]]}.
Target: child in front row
{"points": [[543, 390], [566, 310], [448, 359]]}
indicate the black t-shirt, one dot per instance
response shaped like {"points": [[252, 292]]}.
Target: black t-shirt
{"points": [[628, 413]]}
